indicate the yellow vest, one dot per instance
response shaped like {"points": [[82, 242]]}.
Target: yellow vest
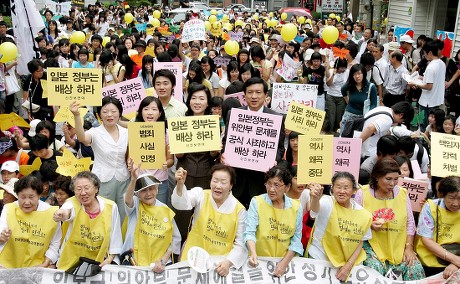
{"points": [[89, 237], [213, 231], [276, 228], [389, 243], [449, 233], [31, 235], [153, 233], [344, 232]]}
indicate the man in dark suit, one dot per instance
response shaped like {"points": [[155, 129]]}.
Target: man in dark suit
{"points": [[250, 183]]}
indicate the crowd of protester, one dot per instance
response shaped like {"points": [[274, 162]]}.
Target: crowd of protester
{"points": [[245, 214]]}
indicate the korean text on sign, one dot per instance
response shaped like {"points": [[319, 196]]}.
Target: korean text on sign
{"points": [[193, 30], [130, 93], [346, 157], [316, 162], [285, 93], [194, 134], [66, 85], [445, 154], [252, 139], [416, 191], [304, 119], [147, 144]]}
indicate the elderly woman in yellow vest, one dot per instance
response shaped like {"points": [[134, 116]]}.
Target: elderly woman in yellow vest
{"points": [[218, 220], [94, 224], [274, 222], [28, 237], [152, 233], [391, 249], [439, 229], [341, 225]]}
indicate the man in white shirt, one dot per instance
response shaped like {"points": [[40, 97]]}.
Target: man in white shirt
{"points": [[379, 125], [395, 85], [432, 86]]}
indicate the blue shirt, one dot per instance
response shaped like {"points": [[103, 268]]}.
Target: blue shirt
{"points": [[252, 222], [77, 64]]}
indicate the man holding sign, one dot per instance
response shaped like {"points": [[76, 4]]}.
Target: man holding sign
{"points": [[251, 182]]}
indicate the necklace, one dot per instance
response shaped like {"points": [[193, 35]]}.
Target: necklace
{"points": [[386, 197]]}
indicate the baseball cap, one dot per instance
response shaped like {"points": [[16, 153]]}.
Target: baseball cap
{"points": [[10, 166], [406, 38], [140, 43], [33, 126], [145, 181], [9, 187], [392, 46], [255, 39]]}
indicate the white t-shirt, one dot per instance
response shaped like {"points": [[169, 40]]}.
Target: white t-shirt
{"points": [[337, 83], [382, 123], [214, 79], [435, 74]]}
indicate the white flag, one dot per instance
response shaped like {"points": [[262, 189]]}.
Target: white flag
{"points": [[27, 22]]}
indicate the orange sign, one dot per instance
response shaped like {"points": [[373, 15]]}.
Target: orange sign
{"points": [[340, 52]]}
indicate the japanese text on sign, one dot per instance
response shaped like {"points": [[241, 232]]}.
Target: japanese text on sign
{"points": [[130, 93], [445, 152], [252, 139], [194, 134], [66, 85], [316, 166], [286, 93], [147, 144], [304, 119]]}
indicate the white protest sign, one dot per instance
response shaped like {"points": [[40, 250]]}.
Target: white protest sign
{"points": [[284, 93], [238, 36], [193, 30], [289, 68], [221, 61]]}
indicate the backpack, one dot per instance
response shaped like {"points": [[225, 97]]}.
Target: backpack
{"points": [[357, 124]]}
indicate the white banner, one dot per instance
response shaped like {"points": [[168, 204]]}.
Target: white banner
{"points": [[284, 93], [193, 30], [300, 270]]}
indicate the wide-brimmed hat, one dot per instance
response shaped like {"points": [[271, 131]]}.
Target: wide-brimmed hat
{"points": [[256, 40], [393, 46], [9, 186], [145, 181]]}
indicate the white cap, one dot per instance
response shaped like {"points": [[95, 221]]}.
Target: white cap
{"points": [[406, 38], [9, 187], [10, 166]]}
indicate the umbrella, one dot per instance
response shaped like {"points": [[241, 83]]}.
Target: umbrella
{"points": [[298, 12], [9, 120]]}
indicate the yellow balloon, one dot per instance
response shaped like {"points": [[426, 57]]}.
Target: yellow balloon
{"points": [[212, 19], [288, 32], [284, 16], [338, 18], [332, 15], [227, 26], [270, 14], [105, 40], [213, 12], [156, 14], [77, 37], [239, 23], [308, 21], [330, 34], [129, 18], [216, 25], [255, 17], [9, 52], [273, 22], [207, 25], [301, 20], [224, 18], [232, 47], [155, 22]]}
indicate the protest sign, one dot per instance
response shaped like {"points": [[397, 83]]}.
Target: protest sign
{"points": [[400, 31], [65, 115], [193, 134], [448, 39], [66, 85], [289, 68], [346, 157], [416, 191], [176, 68], [26, 170], [238, 36], [285, 93], [252, 139], [300, 270], [445, 152], [340, 52], [193, 30], [69, 165], [239, 96], [147, 144], [141, 27], [316, 164], [304, 119], [149, 31], [221, 61], [44, 88], [130, 93]]}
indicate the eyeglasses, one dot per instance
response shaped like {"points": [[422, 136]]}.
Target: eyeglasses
{"points": [[83, 188], [275, 185]]}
